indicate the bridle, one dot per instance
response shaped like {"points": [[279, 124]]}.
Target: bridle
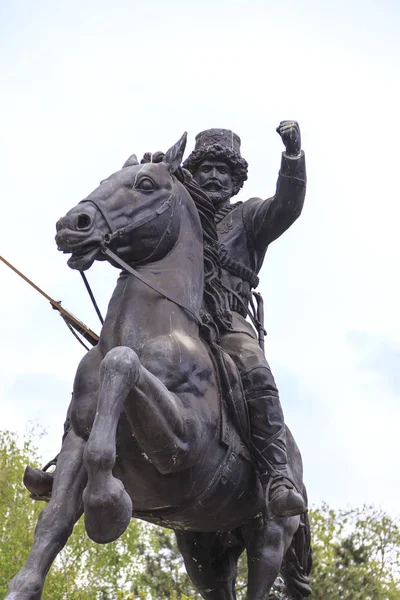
{"points": [[115, 233]]}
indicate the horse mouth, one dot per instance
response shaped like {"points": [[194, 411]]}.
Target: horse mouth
{"points": [[83, 257]]}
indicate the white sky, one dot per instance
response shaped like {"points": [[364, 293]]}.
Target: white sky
{"points": [[86, 84]]}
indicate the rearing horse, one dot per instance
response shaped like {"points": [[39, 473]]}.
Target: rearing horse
{"points": [[151, 435]]}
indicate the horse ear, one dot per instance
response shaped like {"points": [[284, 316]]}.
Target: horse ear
{"points": [[173, 156], [132, 160]]}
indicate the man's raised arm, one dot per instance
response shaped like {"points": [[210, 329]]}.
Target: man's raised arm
{"points": [[267, 220]]}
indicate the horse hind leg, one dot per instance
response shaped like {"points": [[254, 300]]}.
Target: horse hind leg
{"points": [[297, 562], [266, 542], [210, 563], [55, 522]]}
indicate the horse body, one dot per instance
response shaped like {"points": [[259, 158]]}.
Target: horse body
{"points": [[150, 436], [168, 463]]}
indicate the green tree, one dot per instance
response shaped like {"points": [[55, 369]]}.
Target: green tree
{"points": [[356, 554], [163, 576], [18, 514]]}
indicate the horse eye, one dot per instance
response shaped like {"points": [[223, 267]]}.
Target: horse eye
{"points": [[145, 184]]}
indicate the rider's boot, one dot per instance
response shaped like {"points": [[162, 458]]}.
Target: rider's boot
{"points": [[39, 482], [283, 497]]}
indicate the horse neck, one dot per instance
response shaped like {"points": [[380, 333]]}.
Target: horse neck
{"points": [[181, 270], [180, 274]]}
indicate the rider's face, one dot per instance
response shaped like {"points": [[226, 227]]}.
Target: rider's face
{"points": [[215, 178]]}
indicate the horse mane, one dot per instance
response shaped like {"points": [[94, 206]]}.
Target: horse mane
{"points": [[215, 315]]}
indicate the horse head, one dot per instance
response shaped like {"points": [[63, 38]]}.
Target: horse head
{"points": [[131, 211]]}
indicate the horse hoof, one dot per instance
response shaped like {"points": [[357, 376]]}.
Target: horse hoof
{"points": [[108, 514], [24, 588]]}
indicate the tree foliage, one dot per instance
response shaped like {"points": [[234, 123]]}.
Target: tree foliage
{"points": [[163, 576], [18, 514], [356, 554]]}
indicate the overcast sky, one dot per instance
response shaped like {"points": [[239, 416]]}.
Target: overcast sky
{"points": [[86, 84]]}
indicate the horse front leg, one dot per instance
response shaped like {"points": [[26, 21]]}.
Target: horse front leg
{"points": [[107, 506], [55, 522]]}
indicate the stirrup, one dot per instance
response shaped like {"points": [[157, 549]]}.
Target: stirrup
{"points": [[287, 502], [291, 489]]}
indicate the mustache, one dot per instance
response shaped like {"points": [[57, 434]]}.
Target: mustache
{"points": [[216, 183]]}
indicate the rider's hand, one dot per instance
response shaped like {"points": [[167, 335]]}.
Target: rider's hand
{"points": [[154, 157], [290, 134]]}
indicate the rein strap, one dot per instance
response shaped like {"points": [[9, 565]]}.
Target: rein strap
{"points": [[110, 254]]}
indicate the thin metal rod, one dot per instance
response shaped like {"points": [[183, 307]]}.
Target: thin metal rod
{"points": [[89, 290], [76, 336], [90, 335]]}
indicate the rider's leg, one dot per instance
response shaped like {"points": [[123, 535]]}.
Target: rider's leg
{"points": [[266, 419], [269, 440]]}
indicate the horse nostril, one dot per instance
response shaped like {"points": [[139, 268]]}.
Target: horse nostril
{"points": [[84, 221]]}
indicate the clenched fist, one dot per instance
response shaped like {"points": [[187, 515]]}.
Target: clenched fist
{"points": [[290, 134]]}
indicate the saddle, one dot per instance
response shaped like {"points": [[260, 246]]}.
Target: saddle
{"points": [[233, 407]]}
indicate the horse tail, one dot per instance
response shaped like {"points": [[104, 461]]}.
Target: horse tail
{"points": [[297, 562]]}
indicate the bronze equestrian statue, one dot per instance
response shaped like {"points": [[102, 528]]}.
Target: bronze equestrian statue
{"points": [[159, 422]]}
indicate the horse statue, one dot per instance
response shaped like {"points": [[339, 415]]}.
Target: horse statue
{"points": [[152, 433]]}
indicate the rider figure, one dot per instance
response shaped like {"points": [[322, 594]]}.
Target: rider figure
{"points": [[245, 231]]}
